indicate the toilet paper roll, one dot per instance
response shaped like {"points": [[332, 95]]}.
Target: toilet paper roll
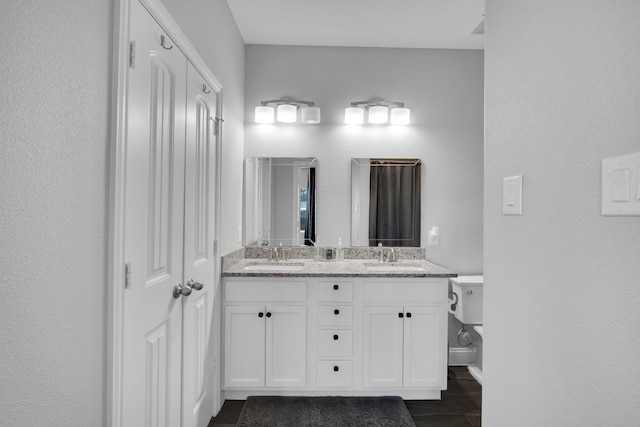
{"points": [[451, 302]]}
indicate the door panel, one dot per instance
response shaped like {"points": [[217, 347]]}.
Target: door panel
{"points": [[161, 178], [199, 256], [382, 347], [153, 228], [244, 346], [423, 356], [157, 376], [286, 344]]}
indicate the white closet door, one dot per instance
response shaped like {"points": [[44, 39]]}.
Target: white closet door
{"points": [[154, 203], [199, 262]]}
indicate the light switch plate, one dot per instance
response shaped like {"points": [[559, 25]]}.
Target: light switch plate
{"points": [[512, 195], [621, 185]]}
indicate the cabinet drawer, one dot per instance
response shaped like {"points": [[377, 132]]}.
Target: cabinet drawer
{"points": [[334, 373], [334, 315], [265, 291], [334, 343], [335, 291], [415, 291]]}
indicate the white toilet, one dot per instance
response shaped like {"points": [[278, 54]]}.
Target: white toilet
{"points": [[466, 305]]}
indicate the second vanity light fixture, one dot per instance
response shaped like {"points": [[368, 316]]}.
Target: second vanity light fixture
{"points": [[379, 112], [285, 110]]}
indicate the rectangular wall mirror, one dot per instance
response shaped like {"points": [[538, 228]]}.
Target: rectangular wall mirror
{"points": [[385, 202], [280, 201]]}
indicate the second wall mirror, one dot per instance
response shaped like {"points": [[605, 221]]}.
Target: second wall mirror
{"points": [[385, 202]]}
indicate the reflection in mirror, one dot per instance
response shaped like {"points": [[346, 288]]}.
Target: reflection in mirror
{"points": [[385, 202], [280, 201]]}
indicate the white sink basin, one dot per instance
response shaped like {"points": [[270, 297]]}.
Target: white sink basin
{"points": [[274, 267], [393, 267]]}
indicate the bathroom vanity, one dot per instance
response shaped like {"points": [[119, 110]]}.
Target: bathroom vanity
{"points": [[351, 328]]}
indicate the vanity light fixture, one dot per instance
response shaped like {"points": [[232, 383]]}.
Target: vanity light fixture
{"points": [[379, 112], [285, 110]]}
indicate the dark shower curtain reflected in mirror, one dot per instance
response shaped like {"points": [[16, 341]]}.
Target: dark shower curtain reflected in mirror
{"points": [[394, 202], [308, 215]]}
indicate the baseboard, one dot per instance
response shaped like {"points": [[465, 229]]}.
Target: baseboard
{"points": [[462, 356], [475, 372]]}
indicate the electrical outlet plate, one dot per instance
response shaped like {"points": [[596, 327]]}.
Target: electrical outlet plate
{"points": [[512, 195], [434, 239], [621, 185]]}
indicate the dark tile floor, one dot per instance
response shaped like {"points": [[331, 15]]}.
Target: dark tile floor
{"points": [[461, 405]]}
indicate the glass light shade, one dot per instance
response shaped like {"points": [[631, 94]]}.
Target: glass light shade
{"points": [[400, 116], [310, 115], [353, 116], [378, 114], [287, 113], [264, 114]]}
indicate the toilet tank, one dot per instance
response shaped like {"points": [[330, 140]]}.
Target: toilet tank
{"points": [[468, 290]]}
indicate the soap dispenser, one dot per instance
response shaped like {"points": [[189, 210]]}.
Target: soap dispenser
{"points": [[340, 251]]}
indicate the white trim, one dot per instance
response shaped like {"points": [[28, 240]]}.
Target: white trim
{"points": [[418, 394], [115, 272], [475, 372], [462, 356]]}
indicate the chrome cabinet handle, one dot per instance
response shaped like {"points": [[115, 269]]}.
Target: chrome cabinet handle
{"points": [[195, 285], [179, 290]]}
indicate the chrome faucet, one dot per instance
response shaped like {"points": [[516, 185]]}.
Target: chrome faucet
{"points": [[391, 255], [277, 255]]}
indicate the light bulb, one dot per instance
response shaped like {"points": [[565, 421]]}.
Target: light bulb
{"points": [[287, 113], [353, 116], [264, 114], [310, 115], [378, 114], [400, 116]]}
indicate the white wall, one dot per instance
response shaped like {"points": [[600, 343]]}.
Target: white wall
{"points": [[211, 29], [54, 127], [54, 131], [562, 282], [443, 88]]}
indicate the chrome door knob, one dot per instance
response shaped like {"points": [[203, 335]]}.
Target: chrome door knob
{"points": [[179, 290], [195, 285]]}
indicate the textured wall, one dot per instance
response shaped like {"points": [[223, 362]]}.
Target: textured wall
{"points": [[54, 127], [443, 88], [561, 282], [54, 121]]}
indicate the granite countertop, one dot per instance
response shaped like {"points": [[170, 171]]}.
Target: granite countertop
{"points": [[252, 267]]}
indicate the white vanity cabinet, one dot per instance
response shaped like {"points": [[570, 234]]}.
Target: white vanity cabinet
{"points": [[265, 334], [404, 333], [401, 347], [351, 336]]}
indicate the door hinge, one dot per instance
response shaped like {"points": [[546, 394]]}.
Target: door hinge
{"points": [[132, 54], [127, 275]]}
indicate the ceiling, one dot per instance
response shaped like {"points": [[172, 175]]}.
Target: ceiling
{"points": [[439, 24]]}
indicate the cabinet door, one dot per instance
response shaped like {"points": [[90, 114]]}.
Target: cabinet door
{"points": [[424, 348], [244, 346], [286, 348], [382, 346]]}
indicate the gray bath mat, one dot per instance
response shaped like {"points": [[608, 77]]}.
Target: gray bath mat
{"points": [[280, 411]]}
